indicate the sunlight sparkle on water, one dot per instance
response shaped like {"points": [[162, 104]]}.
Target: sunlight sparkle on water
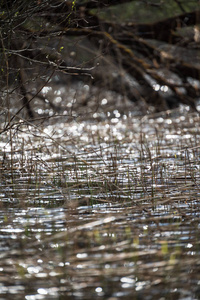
{"points": [[140, 285], [168, 121], [164, 88], [12, 230], [116, 113], [160, 120], [58, 99], [46, 89], [98, 290], [156, 87], [86, 87], [127, 280], [34, 270], [189, 245], [96, 115], [42, 291], [114, 120], [171, 136], [76, 129], [104, 101], [57, 92], [40, 111], [79, 266], [82, 255]]}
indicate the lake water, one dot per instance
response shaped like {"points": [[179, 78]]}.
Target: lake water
{"points": [[101, 210]]}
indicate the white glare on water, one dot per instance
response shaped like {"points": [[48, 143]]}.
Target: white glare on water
{"points": [[98, 290], [42, 291], [104, 101], [46, 89]]}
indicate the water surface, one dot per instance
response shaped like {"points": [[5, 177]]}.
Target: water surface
{"points": [[101, 210]]}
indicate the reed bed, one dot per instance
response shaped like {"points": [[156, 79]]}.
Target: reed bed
{"points": [[105, 209]]}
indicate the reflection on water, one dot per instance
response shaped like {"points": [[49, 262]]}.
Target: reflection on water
{"points": [[101, 210]]}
